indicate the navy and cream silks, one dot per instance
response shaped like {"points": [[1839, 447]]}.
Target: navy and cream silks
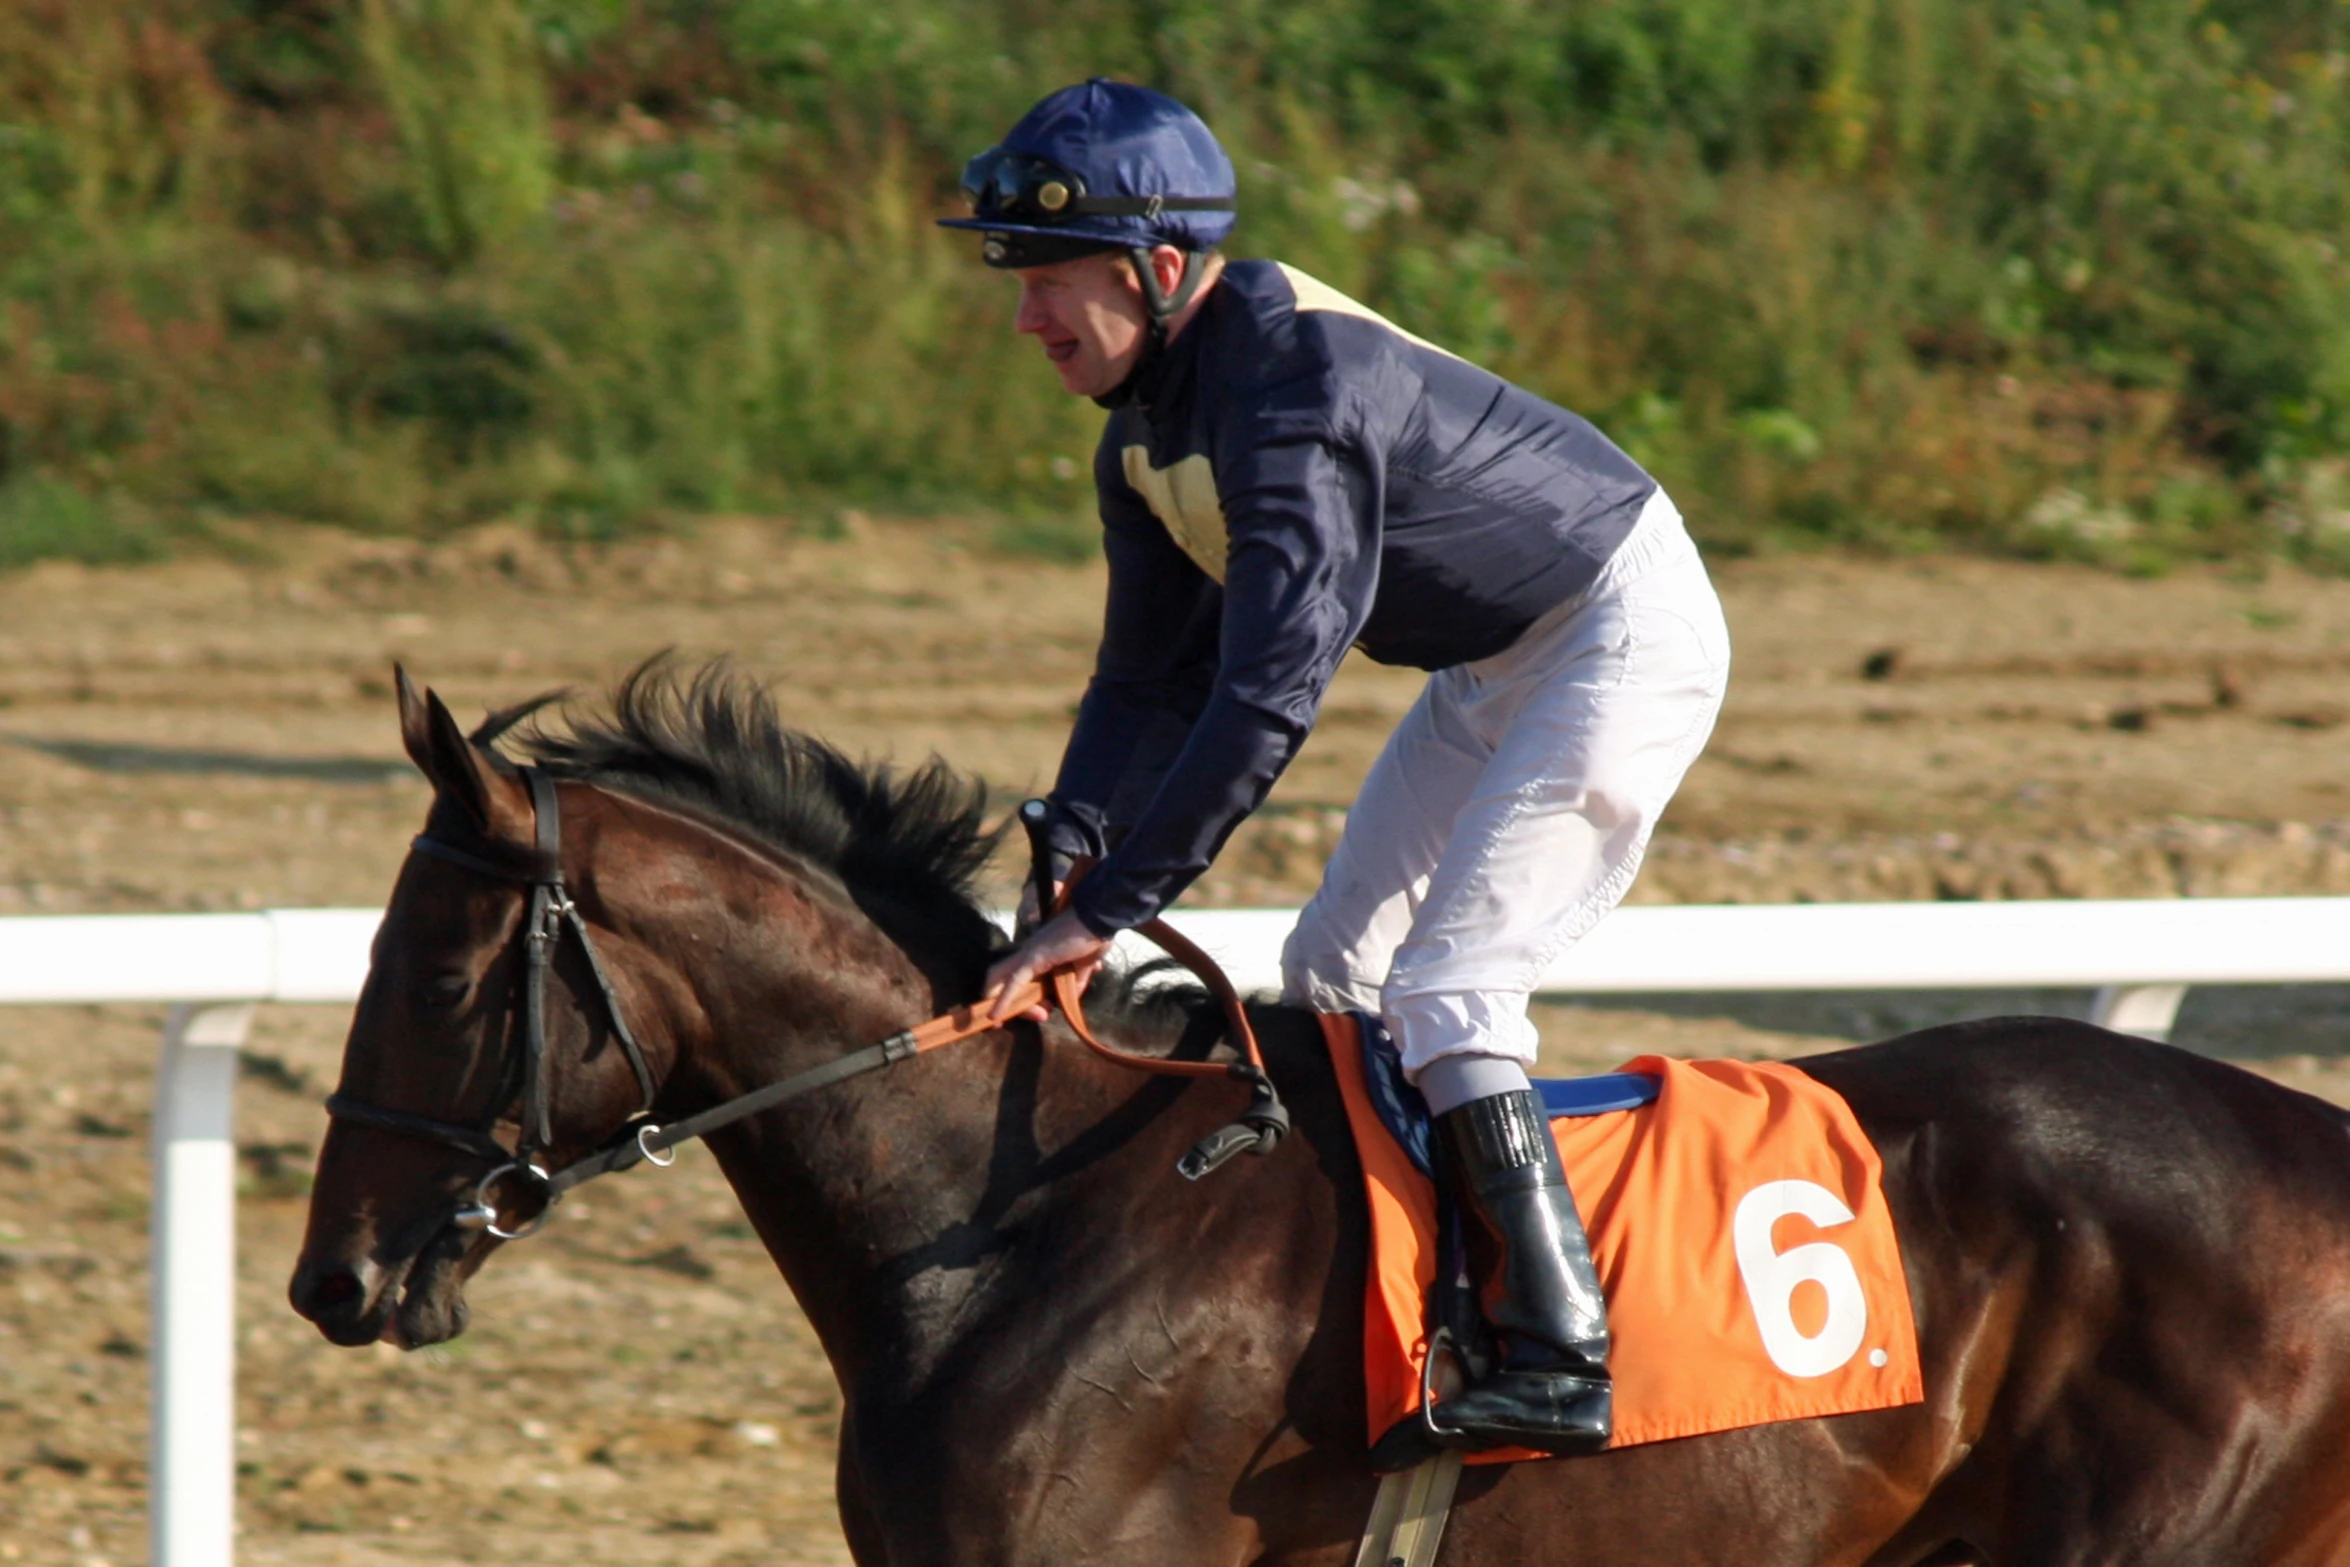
{"points": [[1294, 477]]}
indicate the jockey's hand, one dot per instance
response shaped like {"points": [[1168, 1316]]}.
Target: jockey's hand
{"points": [[1061, 942]]}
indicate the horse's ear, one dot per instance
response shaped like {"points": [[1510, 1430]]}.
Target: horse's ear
{"points": [[468, 774], [415, 722]]}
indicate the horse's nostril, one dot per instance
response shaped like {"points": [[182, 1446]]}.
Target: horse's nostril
{"points": [[339, 1288]]}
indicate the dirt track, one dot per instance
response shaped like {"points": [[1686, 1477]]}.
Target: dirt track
{"points": [[638, 1387]]}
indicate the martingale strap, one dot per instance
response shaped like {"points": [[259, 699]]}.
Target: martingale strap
{"points": [[551, 912]]}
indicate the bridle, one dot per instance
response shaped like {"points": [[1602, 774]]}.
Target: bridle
{"points": [[642, 1140], [551, 913]]}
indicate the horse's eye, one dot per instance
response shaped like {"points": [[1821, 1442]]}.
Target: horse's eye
{"points": [[446, 991]]}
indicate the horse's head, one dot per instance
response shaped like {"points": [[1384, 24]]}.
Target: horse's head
{"points": [[439, 1087], [710, 903]]}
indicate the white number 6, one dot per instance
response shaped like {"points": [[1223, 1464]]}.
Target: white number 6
{"points": [[1771, 1277]]}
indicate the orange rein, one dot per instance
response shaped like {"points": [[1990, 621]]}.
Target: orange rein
{"points": [[1261, 1126], [1060, 989]]}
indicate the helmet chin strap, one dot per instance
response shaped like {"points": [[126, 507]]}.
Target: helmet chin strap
{"points": [[1164, 307]]}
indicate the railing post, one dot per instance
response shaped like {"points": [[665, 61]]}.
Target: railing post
{"points": [[192, 1461], [2148, 1011]]}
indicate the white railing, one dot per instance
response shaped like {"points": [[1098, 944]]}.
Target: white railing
{"points": [[213, 968]]}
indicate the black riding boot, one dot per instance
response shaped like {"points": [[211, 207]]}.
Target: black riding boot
{"points": [[1549, 1388]]}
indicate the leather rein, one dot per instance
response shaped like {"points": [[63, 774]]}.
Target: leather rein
{"points": [[640, 1139]]}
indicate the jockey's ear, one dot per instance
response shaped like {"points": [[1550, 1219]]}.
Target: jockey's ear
{"points": [[470, 776], [1169, 264]]}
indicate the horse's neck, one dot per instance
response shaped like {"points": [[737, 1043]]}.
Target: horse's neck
{"points": [[930, 1205], [999, 1258], [912, 1208], [765, 966], [976, 1232]]}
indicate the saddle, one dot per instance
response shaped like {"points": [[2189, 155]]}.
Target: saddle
{"points": [[1737, 1217]]}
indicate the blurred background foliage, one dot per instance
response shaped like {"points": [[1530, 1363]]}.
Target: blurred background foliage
{"points": [[2061, 277]]}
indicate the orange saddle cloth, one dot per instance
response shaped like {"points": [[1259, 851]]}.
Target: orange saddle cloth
{"points": [[1742, 1238]]}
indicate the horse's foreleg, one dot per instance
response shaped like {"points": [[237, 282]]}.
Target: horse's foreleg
{"points": [[857, 1523]]}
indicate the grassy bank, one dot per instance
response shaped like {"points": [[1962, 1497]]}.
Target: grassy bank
{"points": [[2057, 278]]}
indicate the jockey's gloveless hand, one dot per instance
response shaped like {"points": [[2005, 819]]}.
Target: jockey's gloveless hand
{"points": [[1061, 942]]}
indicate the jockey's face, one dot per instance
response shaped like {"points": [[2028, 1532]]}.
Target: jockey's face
{"points": [[1089, 316]]}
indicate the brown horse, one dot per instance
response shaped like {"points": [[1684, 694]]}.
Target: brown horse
{"points": [[2130, 1266]]}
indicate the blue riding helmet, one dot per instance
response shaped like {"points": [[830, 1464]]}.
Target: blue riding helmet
{"points": [[1100, 166]]}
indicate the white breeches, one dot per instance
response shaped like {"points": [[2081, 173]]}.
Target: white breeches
{"points": [[1510, 809]]}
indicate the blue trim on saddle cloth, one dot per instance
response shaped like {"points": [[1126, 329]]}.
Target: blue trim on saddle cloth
{"points": [[1399, 1104], [1597, 1095], [1405, 1113]]}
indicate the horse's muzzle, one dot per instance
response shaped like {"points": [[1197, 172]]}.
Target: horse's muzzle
{"points": [[417, 1301]]}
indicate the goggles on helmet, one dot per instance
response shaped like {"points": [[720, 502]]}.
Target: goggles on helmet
{"points": [[1019, 188], [1016, 187]]}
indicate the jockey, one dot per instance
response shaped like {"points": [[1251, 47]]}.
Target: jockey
{"points": [[1285, 475]]}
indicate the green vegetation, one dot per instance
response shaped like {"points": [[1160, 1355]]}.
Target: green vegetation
{"points": [[2061, 278]]}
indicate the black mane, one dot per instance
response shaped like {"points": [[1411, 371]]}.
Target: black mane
{"points": [[712, 742]]}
